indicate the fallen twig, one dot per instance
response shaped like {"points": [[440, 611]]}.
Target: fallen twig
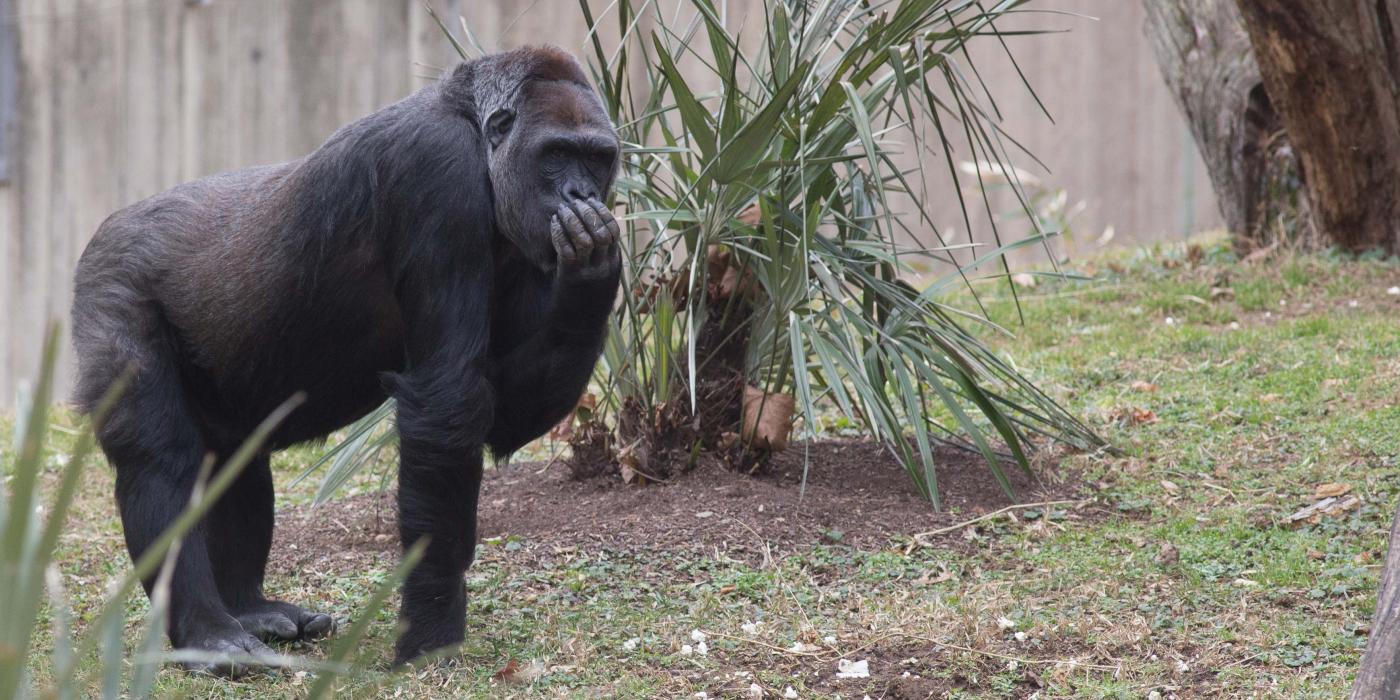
{"points": [[919, 537]]}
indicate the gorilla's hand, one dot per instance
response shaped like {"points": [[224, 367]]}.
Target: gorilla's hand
{"points": [[585, 237]]}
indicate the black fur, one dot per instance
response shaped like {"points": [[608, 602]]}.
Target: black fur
{"points": [[450, 250]]}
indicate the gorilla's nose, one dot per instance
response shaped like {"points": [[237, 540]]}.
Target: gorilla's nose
{"points": [[580, 191]]}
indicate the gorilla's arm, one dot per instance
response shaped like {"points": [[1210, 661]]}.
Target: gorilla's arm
{"points": [[539, 381], [444, 271]]}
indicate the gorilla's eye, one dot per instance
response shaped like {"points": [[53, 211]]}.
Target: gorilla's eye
{"points": [[555, 160], [498, 125]]}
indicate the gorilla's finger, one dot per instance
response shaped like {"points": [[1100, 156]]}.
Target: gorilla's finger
{"points": [[578, 234], [591, 221], [610, 225], [561, 241]]}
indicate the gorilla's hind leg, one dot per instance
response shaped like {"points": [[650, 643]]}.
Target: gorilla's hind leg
{"points": [[156, 445], [240, 537]]}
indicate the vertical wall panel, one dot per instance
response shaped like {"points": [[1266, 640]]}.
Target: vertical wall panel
{"points": [[118, 100]]}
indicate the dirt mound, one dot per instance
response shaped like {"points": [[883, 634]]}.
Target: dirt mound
{"points": [[856, 495]]}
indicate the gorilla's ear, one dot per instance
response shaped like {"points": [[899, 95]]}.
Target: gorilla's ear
{"points": [[498, 126]]}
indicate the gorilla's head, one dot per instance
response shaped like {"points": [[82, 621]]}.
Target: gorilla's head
{"points": [[547, 136]]}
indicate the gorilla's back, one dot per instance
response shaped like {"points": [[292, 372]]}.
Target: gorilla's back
{"points": [[199, 266]]}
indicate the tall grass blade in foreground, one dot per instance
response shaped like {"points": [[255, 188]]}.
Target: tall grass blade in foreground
{"points": [[29, 574]]}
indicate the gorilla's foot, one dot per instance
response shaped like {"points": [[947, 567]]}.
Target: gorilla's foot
{"points": [[227, 650], [273, 620]]}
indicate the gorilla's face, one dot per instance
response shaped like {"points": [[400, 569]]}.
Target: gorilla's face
{"points": [[555, 148]]}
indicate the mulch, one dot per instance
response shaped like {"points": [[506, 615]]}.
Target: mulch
{"points": [[856, 495]]}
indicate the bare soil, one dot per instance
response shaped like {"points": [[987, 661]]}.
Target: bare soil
{"points": [[856, 495]]}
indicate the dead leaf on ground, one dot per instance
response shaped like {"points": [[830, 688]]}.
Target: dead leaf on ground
{"points": [[767, 419], [1168, 554], [1219, 293], [1328, 507], [929, 578], [1144, 387], [629, 463], [515, 672], [1132, 415], [1269, 398], [1332, 489]]}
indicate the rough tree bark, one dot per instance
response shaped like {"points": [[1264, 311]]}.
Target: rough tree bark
{"points": [[1380, 671], [1206, 60], [1332, 70]]}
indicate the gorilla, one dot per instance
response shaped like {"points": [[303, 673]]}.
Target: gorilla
{"points": [[452, 251]]}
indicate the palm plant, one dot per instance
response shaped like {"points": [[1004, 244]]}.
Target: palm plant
{"points": [[763, 228], [767, 255]]}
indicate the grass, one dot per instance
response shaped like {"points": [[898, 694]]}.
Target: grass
{"points": [[1178, 578]]}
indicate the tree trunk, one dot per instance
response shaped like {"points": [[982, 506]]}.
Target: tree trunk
{"points": [[1332, 70], [1380, 667], [1206, 60]]}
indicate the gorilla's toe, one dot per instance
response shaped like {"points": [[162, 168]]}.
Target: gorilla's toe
{"points": [[231, 653], [269, 625], [273, 620], [317, 625]]}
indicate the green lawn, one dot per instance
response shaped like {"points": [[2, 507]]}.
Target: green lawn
{"points": [[1178, 579]]}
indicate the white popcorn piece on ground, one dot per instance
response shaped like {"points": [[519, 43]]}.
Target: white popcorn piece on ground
{"points": [[852, 669]]}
